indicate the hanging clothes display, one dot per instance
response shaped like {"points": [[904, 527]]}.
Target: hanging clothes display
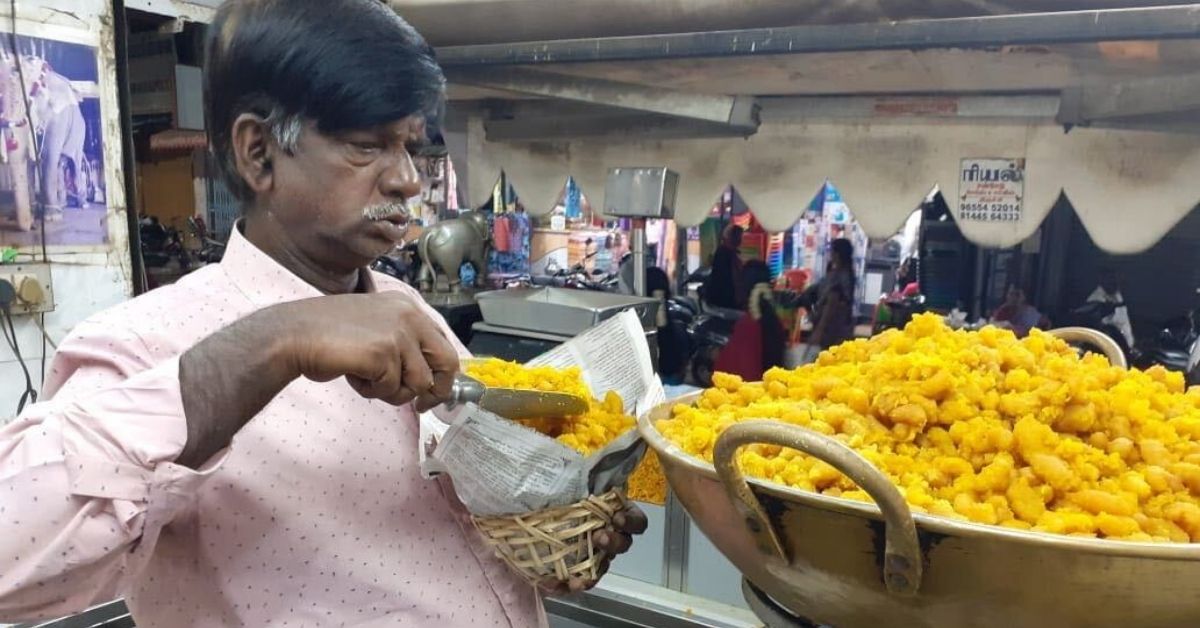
{"points": [[511, 232], [501, 239], [520, 231], [572, 205]]}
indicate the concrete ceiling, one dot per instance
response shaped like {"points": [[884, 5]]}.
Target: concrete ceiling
{"points": [[465, 22], [1019, 70], [840, 50]]}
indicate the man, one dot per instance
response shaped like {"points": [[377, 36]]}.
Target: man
{"points": [[240, 448], [721, 287], [1109, 292], [1017, 314]]}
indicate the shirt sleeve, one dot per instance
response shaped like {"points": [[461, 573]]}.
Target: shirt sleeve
{"points": [[87, 477]]}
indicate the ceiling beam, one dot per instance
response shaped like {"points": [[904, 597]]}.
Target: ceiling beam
{"points": [[1018, 107], [735, 111], [1160, 94], [611, 125], [1154, 23]]}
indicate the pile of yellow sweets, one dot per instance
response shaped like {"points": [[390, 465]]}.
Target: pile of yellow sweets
{"points": [[983, 427], [605, 420]]}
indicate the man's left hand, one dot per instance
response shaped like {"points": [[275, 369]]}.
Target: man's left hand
{"points": [[613, 540]]}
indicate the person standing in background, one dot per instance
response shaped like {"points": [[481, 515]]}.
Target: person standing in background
{"points": [[758, 341], [1109, 291], [833, 312], [1017, 314], [721, 287]]}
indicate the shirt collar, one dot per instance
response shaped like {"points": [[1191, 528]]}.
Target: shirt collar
{"points": [[265, 281]]}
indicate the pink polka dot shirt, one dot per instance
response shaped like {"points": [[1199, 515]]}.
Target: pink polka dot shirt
{"points": [[316, 515]]}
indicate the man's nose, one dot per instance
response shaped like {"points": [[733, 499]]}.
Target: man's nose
{"points": [[401, 180]]}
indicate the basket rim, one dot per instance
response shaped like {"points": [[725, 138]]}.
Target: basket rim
{"points": [[674, 455]]}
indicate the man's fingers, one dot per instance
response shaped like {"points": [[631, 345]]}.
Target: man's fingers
{"points": [[426, 402], [440, 357], [631, 520], [612, 542], [553, 586], [416, 375], [443, 384], [387, 389]]}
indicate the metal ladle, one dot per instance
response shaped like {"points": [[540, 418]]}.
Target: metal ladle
{"points": [[515, 403]]}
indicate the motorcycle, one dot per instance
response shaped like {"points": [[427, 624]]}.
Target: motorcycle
{"points": [[576, 277], [1092, 315], [402, 262], [709, 328], [161, 245], [1174, 346], [895, 313], [211, 250]]}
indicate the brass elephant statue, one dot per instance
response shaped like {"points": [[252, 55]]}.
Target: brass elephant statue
{"points": [[445, 246]]}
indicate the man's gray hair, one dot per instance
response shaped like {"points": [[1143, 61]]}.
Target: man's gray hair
{"points": [[284, 128]]}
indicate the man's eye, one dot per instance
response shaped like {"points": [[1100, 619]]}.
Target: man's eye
{"points": [[366, 148]]}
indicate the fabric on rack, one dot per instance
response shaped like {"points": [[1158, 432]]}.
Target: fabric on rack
{"points": [[501, 230], [519, 232]]}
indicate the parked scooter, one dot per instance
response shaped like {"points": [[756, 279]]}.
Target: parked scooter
{"points": [[161, 245], [577, 277], [1173, 346], [211, 250], [402, 262], [709, 330]]}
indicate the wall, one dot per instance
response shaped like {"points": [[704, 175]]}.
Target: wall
{"points": [[86, 278], [166, 190]]}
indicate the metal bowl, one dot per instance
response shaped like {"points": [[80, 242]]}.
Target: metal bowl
{"points": [[850, 564]]}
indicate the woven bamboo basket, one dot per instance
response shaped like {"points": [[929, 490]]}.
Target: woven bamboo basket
{"points": [[555, 543]]}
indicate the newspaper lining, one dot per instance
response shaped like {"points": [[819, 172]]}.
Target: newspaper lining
{"points": [[499, 467]]}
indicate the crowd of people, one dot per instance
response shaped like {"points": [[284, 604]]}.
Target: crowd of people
{"points": [[759, 339]]}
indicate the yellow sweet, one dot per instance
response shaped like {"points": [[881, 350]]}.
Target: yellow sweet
{"points": [[980, 426], [587, 433]]}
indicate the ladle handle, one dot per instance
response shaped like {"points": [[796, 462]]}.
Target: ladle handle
{"points": [[1099, 340], [902, 564]]}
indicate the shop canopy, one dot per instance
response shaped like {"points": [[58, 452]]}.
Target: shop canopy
{"points": [[1095, 99], [1100, 103]]}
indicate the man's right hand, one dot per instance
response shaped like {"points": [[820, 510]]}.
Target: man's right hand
{"points": [[382, 343], [385, 346]]}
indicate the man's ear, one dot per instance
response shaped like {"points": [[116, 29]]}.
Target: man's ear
{"points": [[253, 151]]}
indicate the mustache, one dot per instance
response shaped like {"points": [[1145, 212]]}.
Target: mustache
{"points": [[383, 211]]}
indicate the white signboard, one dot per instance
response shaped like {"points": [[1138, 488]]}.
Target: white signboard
{"points": [[991, 190]]}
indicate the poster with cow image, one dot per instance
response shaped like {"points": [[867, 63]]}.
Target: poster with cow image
{"points": [[51, 153]]}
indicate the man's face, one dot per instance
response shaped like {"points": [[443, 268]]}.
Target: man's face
{"points": [[318, 194], [1015, 296]]}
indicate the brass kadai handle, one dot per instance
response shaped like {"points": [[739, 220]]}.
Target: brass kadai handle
{"points": [[1101, 341], [902, 563]]}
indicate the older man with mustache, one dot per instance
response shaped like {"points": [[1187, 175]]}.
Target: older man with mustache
{"points": [[240, 448]]}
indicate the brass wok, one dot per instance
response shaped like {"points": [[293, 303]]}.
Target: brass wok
{"points": [[850, 564]]}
